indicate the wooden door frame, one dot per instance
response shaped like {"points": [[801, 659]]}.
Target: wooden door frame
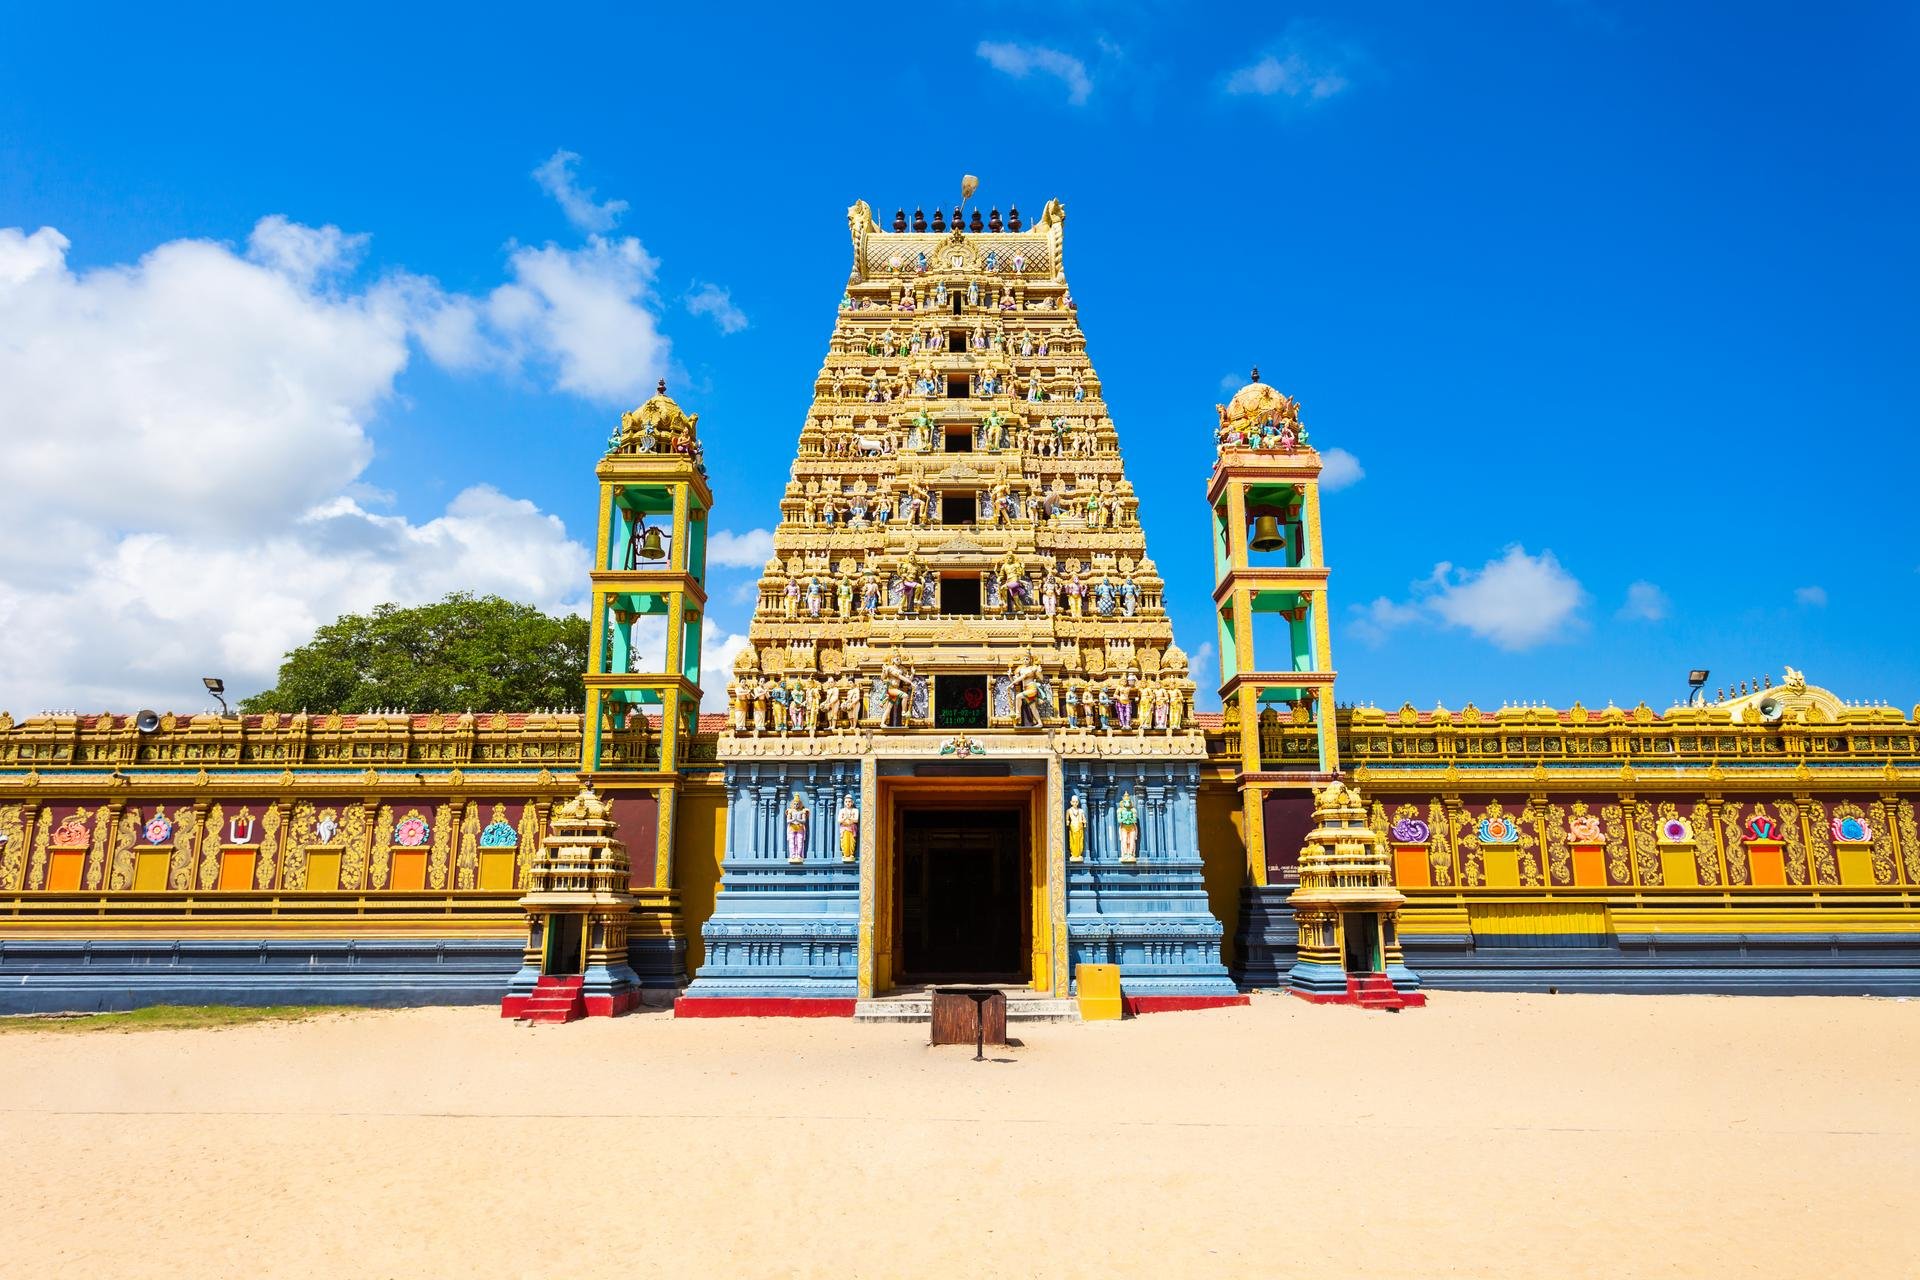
{"points": [[1026, 795]]}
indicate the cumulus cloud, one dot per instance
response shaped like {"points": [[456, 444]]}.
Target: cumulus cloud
{"points": [[717, 303], [586, 314], [1810, 597], [1338, 469], [717, 652], [555, 177], [1515, 602], [1023, 60], [1645, 603], [750, 550], [1304, 65], [233, 394]]}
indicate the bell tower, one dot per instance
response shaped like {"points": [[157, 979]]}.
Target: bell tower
{"points": [[643, 663], [1276, 659]]}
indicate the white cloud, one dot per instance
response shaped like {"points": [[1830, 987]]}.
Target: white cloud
{"points": [[1645, 603], [1304, 66], [713, 301], [1339, 469], [232, 396], [750, 550], [556, 178], [1515, 602], [1204, 671], [717, 653], [588, 312], [1810, 597], [1232, 382], [1370, 623], [1022, 60]]}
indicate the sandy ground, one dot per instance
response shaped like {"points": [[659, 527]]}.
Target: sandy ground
{"points": [[1483, 1136]]}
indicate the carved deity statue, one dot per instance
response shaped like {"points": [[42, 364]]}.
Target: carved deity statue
{"points": [[1076, 828], [797, 819], [1127, 818], [1025, 679], [849, 821]]}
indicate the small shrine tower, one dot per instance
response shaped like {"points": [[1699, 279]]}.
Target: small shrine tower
{"points": [[578, 905], [1348, 912]]}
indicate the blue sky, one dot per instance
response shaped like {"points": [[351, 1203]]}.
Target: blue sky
{"points": [[1611, 304]]}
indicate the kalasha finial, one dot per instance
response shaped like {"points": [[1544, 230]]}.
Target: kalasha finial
{"points": [[660, 388], [1256, 373]]}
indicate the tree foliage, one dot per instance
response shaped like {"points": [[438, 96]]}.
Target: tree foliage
{"points": [[459, 654]]}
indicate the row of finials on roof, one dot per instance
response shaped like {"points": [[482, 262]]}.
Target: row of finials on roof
{"points": [[991, 223]]}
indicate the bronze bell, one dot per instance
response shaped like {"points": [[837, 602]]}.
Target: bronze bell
{"points": [[1267, 535], [650, 548]]}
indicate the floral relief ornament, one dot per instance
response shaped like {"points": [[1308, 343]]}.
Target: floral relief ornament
{"points": [[1497, 828], [1851, 830], [412, 831], [158, 829]]}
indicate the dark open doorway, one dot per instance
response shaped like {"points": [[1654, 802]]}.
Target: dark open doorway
{"points": [[961, 906]]}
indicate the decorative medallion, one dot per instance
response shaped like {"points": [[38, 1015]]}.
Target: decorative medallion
{"points": [[72, 831], [158, 829], [499, 834], [327, 828], [1676, 831], [1761, 827], [240, 827], [412, 831], [1410, 831], [1499, 829], [961, 746], [1852, 830], [1584, 828]]}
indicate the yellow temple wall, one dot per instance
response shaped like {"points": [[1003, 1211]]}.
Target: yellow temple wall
{"points": [[1223, 850], [699, 844]]}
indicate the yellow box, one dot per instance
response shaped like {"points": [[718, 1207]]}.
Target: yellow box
{"points": [[150, 869], [236, 869], [1410, 866], [1856, 864], [1678, 870], [1502, 867], [1098, 986], [323, 871], [496, 870]]}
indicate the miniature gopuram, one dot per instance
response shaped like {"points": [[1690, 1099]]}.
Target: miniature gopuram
{"points": [[1348, 911], [578, 903], [960, 634]]}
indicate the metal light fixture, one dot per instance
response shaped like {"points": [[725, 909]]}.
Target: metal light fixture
{"points": [[216, 686], [1696, 686]]}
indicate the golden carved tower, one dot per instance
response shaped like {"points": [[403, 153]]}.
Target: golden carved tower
{"points": [[959, 547]]}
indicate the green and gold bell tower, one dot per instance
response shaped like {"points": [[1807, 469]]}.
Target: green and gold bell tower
{"points": [[643, 663]]}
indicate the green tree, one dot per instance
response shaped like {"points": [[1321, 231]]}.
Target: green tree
{"points": [[459, 654]]}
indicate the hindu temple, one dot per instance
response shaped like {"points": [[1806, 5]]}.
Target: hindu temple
{"points": [[961, 745]]}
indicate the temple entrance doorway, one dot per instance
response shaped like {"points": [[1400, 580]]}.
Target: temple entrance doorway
{"points": [[960, 879], [961, 903]]}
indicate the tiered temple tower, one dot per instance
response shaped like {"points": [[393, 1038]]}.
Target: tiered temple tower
{"points": [[961, 742]]}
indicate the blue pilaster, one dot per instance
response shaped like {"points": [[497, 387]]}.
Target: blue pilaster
{"points": [[781, 930], [1150, 916]]}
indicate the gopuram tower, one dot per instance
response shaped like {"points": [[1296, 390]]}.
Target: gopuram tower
{"points": [[960, 744]]}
